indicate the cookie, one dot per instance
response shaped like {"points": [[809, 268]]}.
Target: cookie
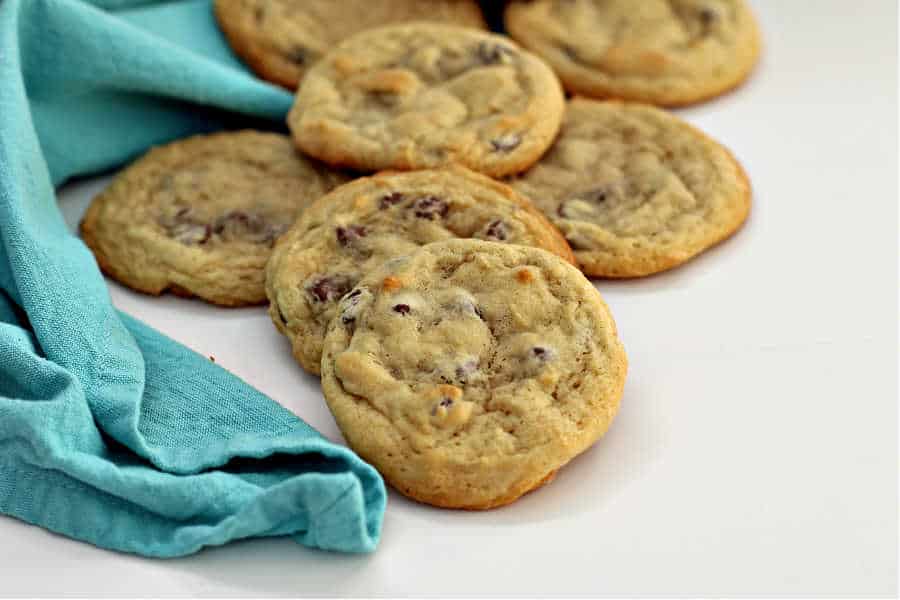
{"points": [[424, 95], [666, 52], [468, 372], [636, 190], [280, 39], [360, 225], [199, 216]]}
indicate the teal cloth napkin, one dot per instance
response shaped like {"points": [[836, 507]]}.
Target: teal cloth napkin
{"points": [[110, 432]]}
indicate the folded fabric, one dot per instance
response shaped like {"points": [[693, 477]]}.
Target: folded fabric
{"points": [[110, 432]]}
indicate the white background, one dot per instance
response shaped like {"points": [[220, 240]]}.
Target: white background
{"points": [[755, 452]]}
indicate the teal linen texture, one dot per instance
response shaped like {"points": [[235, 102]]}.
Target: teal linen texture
{"points": [[110, 432]]}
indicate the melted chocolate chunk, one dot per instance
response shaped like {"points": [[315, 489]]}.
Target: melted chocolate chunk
{"points": [[506, 142], [430, 207], [403, 309], [494, 54], [349, 234], [191, 233], [390, 200], [249, 227], [498, 230], [328, 288]]}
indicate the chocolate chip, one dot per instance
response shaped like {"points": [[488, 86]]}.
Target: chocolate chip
{"points": [[328, 288], [465, 369], [595, 196], [297, 55], [445, 403], [498, 230], [389, 200], [708, 16], [349, 234], [385, 99], [493, 54], [403, 309], [352, 300], [541, 354], [429, 207], [506, 142], [234, 219], [572, 53], [479, 312]]}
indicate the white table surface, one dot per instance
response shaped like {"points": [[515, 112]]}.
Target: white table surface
{"points": [[755, 452]]}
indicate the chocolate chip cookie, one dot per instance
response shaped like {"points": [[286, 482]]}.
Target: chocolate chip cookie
{"points": [[199, 216], [360, 225], [425, 95], [636, 190], [666, 52], [468, 372], [280, 39]]}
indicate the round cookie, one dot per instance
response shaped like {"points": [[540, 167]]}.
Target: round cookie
{"points": [[280, 39], [636, 190], [424, 95], [199, 216], [358, 226], [666, 52], [468, 372]]}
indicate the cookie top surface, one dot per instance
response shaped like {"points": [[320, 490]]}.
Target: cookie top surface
{"points": [[358, 226], [667, 52], [199, 216], [469, 371], [424, 95], [281, 39], [636, 190]]}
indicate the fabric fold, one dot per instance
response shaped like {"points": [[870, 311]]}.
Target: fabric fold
{"points": [[110, 432]]}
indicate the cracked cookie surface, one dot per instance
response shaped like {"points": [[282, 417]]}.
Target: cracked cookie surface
{"points": [[636, 190], [281, 39], [666, 52], [425, 95], [358, 226], [199, 216], [469, 371]]}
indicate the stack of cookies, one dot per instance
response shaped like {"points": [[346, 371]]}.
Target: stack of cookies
{"points": [[422, 237]]}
